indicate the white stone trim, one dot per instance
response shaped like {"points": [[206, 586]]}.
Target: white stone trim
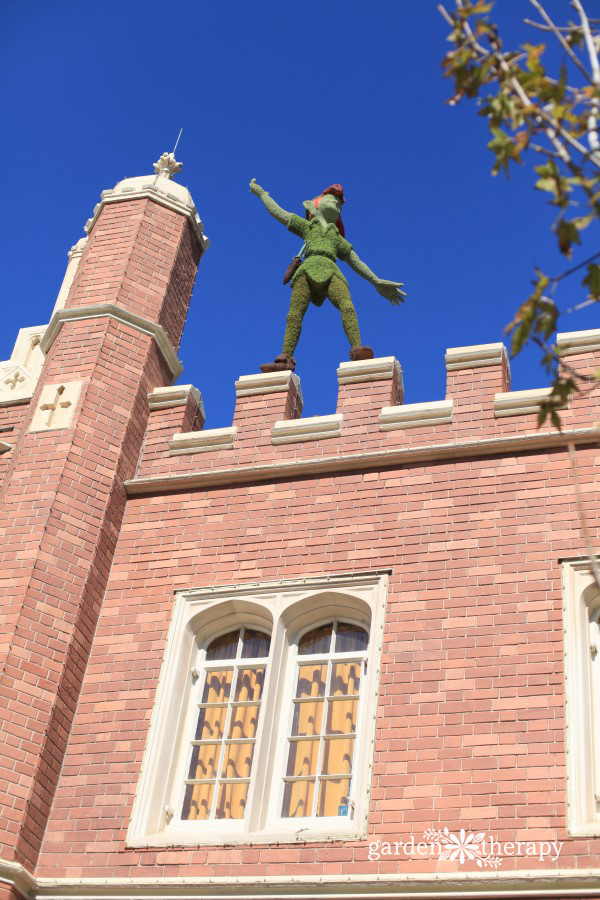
{"points": [[571, 342], [415, 415], [583, 754], [74, 255], [379, 369], [18, 876], [397, 456], [496, 885], [125, 317], [160, 189], [286, 608], [267, 383], [475, 356], [314, 428], [519, 403], [178, 395], [201, 441], [25, 364]]}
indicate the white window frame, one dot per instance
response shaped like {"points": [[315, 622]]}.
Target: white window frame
{"points": [[581, 609], [286, 610]]}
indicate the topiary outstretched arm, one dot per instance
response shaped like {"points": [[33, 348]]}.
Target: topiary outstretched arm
{"points": [[388, 289], [276, 211]]}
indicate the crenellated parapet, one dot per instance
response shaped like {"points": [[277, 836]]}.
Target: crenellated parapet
{"points": [[371, 427]]}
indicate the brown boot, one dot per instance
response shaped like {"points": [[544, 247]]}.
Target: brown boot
{"points": [[281, 364], [357, 353]]}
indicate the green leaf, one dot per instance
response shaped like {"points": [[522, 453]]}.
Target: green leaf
{"points": [[592, 280]]}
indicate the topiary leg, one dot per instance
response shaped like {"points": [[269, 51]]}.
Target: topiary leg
{"points": [[339, 295], [298, 306]]}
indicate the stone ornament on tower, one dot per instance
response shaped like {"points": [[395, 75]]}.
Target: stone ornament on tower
{"points": [[167, 165]]}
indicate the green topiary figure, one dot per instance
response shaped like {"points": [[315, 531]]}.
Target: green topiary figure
{"points": [[317, 276]]}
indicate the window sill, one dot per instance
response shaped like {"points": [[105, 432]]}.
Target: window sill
{"points": [[189, 838]]}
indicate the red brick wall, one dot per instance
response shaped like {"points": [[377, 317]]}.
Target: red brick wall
{"points": [[470, 726]]}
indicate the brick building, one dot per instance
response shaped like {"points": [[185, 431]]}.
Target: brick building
{"points": [[279, 659]]}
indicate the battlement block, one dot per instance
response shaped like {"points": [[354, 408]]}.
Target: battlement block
{"points": [[475, 374], [366, 386], [267, 398], [582, 349], [172, 410]]}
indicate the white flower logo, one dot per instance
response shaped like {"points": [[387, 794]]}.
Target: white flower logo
{"points": [[463, 846]]}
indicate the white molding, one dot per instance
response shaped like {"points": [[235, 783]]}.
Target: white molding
{"points": [[285, 608], [26, 363], [475, 356], [314, 428], [177, 395], [497, 885], [399, 456], [161, 190], [125, 317], [267, 383], [519, 403], [379, 369], [74, 257], [18, 876], [569, 343], [200, 441], [415, 415], [583, 757]]}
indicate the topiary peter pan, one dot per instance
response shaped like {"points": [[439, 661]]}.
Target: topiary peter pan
{"points": [[317, 276]]}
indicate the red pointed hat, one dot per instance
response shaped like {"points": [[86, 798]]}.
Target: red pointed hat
{"points": [[338, 191]]}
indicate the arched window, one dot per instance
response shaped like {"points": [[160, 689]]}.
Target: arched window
{"points": [[329, 669], [230, 680], [260, 728]]}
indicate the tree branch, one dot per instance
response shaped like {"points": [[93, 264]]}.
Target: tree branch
{"points": [[592, 122], [568, 50]]}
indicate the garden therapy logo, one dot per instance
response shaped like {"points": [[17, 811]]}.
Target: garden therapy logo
{"points": [[462, 846], [465, 846]]}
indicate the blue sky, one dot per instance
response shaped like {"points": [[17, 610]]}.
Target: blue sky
{"points": [[298, 96]]}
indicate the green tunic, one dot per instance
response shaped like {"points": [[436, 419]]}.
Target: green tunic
{"points": [[323, 247]]}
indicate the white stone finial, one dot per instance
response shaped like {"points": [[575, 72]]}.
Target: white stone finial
{"points": [[167, 165]]}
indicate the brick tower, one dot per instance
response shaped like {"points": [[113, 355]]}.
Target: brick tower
{"points": [[73, 413]]}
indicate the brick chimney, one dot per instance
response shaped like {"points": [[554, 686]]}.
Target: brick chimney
{"points": [[113, 339]]}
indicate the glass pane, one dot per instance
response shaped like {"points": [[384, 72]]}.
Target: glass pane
{"points": [[303, 758], [205, 761], [232, 801], [316, 641], [337, 756], [345, 678], [249, 685], [308, 717], [350, 638], [211, 723], [197, 801], [298, 799], [256, 644], [224, 647], [217, 686], [341, 716], [333, 797], [238, 760], [243, 722], [311, 680]]}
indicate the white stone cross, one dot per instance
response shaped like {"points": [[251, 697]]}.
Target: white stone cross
{"points": [[56, 405], [15, 379]]}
